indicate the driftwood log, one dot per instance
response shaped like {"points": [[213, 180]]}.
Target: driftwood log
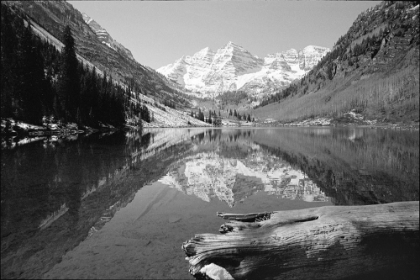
{"points": [[332, 242]]}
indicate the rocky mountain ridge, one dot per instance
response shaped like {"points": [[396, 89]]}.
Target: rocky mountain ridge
{"points": [[373, 69], [209, 73], [105, 37]]}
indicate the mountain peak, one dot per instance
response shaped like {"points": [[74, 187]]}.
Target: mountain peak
{"points": [[86, 18], [233, 67], [313, 48], [203, 52], [231, 44], [105, 38]]}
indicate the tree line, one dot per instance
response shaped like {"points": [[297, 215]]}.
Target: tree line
{"points": [[37, 80], [212, 118], [239, 117]]}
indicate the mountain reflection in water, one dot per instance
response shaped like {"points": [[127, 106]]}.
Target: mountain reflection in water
{"points": [[232, 180], [57, 193]]}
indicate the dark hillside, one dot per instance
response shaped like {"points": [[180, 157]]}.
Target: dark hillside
{"points": [[53, 16], [372, 69], [40, 84]]}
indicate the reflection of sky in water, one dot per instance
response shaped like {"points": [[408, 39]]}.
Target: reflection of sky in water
{"points": [[210, 175]]}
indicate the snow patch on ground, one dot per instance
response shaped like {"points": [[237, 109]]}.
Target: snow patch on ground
{"points": [[269, 120], [315, 122], [347, 118], [171, 118]]}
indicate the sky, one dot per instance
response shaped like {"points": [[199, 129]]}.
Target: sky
{"points": [[158, 33]]}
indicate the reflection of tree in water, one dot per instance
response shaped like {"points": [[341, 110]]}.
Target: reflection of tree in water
{"points": [[145, 140], [200, 137], [38, 182], [73, 193], [214, 135], [234, 150], [328, 161]]}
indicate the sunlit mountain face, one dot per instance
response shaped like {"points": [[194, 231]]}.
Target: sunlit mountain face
{"points": [[208, 73], [237, 169]]}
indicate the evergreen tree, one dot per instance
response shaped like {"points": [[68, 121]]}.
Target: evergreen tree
{"points": [[32, 78], [145, 114], [68, 83], [8, 63], [200, 115], [30, 67]]}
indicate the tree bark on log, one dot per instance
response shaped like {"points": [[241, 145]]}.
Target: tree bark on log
{"points": [[333, 242]]}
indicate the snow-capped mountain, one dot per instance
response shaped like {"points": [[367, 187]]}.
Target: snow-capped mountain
{"points": [[105, 38], [209, 73]]}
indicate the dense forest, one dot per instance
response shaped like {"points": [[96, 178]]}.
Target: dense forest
{"points": [[37, 80]]}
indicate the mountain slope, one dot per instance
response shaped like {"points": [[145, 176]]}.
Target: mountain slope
{"points": [[154, 99], [95, 45], [373, 69], [209, 73], [105, 37]]}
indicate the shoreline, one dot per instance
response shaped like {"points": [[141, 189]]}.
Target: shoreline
{"points": [[21, 129]]}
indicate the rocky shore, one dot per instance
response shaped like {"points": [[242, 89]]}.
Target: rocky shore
{"points": [[348, 119]]}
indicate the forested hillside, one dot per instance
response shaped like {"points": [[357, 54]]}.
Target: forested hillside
{"points": [[372, 69], [37, 80], [54, 16]]}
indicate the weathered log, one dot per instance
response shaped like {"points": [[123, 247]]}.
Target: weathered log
{"points": [[331, 242]]}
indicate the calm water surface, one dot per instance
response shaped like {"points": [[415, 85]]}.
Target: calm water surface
{"points": [[120, 205]]}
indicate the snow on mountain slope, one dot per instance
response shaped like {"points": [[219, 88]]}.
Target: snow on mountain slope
{"points": [[171, 118], [105, 38], [209, 73], [164, 116]]}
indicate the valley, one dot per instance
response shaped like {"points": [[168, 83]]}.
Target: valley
{"points": [[130, 127], [372, 70]]}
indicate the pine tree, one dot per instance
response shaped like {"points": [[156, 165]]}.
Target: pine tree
{"points": [[8, 63], [68, 83], [32, 78], [145, 115], [200, 115]]}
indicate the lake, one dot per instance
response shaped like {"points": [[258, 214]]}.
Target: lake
{"points": [[119, 205]]}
